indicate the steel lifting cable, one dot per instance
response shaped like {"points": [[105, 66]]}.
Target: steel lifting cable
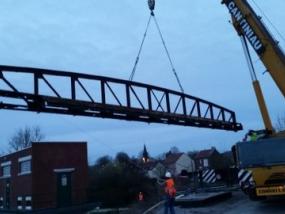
{"points": [[168, 55], [151, 4], [140, 50]]}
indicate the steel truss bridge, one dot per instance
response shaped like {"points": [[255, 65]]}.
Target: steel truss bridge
{"points": [[50, 91]]}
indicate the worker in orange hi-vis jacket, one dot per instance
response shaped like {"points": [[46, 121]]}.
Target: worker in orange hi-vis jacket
{"points": [[140, 197], [170, 193]]}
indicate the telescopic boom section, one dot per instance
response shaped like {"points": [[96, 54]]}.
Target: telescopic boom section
{"points": [[257, 89], [250, 25]]}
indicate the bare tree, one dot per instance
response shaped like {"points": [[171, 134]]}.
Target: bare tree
{"points": [[23, 138], [103, 161], [122, 157], [174, 150]]}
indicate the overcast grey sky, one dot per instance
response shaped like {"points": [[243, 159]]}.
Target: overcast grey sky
{"points": [[103, 37]]}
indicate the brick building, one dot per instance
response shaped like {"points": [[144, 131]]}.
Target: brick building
{"points": [[45, 175], [209, 159]]}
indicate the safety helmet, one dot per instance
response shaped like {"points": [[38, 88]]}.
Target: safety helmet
{"points": [[168, 174]]}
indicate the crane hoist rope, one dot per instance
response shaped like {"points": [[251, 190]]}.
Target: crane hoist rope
{"points": [[140, 49], [151, 5]]}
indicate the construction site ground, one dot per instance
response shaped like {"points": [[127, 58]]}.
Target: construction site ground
{"points": [[238, 203]]}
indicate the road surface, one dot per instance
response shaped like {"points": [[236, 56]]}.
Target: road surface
{"points": [[238, 204]]}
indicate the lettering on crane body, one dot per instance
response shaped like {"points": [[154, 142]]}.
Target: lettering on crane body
{"points": [[245, 26]]}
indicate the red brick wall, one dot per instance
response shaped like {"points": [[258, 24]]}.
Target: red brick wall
{"points": [[41, 184], [50, 156], [21, 185]]}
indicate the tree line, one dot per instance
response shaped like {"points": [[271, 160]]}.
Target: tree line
{"points": [[117, 182]]}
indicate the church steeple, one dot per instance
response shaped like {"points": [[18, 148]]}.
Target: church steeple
{"points": [[145, 156]]}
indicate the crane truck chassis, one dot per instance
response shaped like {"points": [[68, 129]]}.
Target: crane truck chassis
{"points": [[264, 160]]}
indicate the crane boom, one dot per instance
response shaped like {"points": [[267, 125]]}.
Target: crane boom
{"points": [[250, 25]]}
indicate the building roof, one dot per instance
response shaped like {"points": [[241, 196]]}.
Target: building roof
{"points": [[228, 154], [56, 142], [205, 153], [11, 153], [150, 165], [172, 158], [39, 143]]}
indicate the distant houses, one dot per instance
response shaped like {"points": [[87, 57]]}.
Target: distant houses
{"points": [[207, 158], [155, 169], [184, 164], [177, 163]]}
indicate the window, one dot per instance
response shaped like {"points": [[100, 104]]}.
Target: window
{"points": [[19, 202], [1, 203], [6, 171], [206, 163], [28, 204], [63, 180], [25, 165]]}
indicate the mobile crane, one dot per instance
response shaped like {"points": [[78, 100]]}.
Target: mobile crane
{"points": [[265, 158]]}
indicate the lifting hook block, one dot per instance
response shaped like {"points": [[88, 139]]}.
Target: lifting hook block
{"points": [[151, 4]]}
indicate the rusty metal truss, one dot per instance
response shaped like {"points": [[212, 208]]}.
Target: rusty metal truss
{"points": [[50, 91]]}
